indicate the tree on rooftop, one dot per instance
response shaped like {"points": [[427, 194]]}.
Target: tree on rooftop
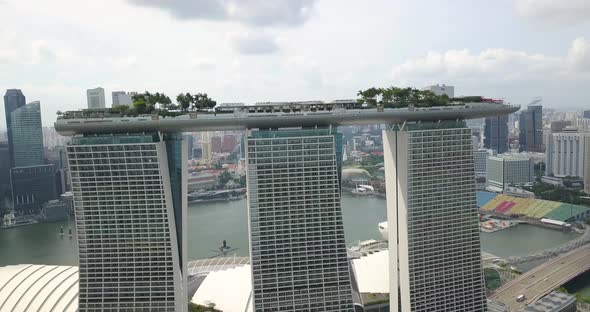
{"points": [[201, 101], [184, 100]]}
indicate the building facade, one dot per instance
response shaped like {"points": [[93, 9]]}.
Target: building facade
{"points": [[27, 135], [13, 99], [587, 165], [531, 129], [95, 98], [507, 169], [32, 187], [123, 98], [130, 205], [480, 158], [4, 175], [434, 245], [297, 247], [443, 89], [560, 125], [565, 153], [496, 134]]}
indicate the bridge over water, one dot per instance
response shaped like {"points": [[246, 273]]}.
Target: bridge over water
{"points": [[546, 277]]}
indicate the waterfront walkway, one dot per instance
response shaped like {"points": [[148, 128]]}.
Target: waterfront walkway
{"points": [[546, 277]]}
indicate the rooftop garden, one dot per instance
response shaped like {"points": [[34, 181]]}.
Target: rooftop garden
{"points": [[152, 103], [395, 97], [148, 103]]}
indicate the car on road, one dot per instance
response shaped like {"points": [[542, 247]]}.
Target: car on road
{"points": [[520, 298]]}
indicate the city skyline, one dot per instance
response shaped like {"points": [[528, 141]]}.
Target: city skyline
{"points": [[262, 52]]}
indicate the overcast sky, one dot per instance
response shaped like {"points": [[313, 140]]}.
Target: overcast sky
{"points": [[274, 50]]}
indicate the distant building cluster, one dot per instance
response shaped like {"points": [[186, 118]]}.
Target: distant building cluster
{"points": [[33, 175]]}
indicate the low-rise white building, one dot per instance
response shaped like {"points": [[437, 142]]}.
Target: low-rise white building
{"points": [[509, 169]]}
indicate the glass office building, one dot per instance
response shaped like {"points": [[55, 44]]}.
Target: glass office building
{"points": [[434, 244], [27, 135], [130, 206], [297, 248], [13, 99]]}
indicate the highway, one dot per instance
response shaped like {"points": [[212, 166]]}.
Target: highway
{"points": [[543, 279]]}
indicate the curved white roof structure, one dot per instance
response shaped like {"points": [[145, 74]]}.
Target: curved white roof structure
{"points": [[229, 289], [371, 272], [38, 288]]}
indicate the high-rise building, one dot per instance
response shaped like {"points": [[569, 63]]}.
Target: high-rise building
{"points": [[531, 129], [130, 201], [434, 245], [13, 99], [496, 133], [95, 98], [188, 138], [27, 135], [587, 114], [32, 187], [206, 153], [587, 165], [123, 98], [297, 247], [565, 153], [443, 89], [230, 142], [216, 144], [509, 169]]}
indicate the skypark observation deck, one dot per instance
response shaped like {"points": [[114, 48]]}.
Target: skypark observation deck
{"points": [[270, 115]]}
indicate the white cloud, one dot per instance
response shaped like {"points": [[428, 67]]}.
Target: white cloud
{"points": [[8, 47], [249, 12], [554, 11], [306, 72], [496, 65], [202, 63], [254, 43], [42, 53], [123, 62]]}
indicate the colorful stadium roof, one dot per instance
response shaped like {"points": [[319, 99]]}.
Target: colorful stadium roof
{"points": [[529, 207]]}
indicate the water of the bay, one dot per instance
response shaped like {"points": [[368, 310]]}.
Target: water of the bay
{"points": [[211, 223]]}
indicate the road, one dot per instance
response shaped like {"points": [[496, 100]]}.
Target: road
{"points": [[543, 279]]}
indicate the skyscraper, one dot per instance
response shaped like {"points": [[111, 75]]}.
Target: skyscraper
{"points": [[95, 98], [531, 129], [13, 99], [130, 201], [27, 135], [297, 248], [434, 245], [496, 133]]}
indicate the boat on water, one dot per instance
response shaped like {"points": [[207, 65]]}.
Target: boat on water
{"points": [[363, 190], [219, 195], [10, 221]]}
